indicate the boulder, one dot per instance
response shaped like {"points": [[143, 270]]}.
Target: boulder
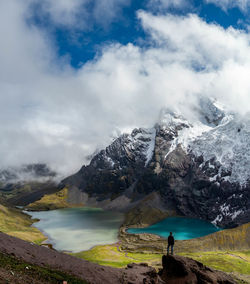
{"points": [[184, 270]]}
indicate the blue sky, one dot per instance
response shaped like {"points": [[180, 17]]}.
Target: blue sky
{"points": [[75, 74], [82, 43]]}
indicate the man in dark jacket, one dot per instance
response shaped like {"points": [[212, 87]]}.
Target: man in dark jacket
{"points": [[170, 243]]}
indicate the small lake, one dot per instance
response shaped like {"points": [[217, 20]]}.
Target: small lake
{"points": [[78, 229], [182, 228]]}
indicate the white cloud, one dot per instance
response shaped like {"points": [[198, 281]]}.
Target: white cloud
{"points": [[81, 14], [162, 5], [52, 113], [243, 5]]}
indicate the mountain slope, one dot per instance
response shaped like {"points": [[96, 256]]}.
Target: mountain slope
{"points": [[66, 264], [14, 222], [197, 167], [28, 183]]}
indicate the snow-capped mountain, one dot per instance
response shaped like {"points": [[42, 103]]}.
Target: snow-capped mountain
{"points": [[198, 167]]}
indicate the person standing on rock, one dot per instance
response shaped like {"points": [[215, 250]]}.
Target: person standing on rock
{"points": [[170, 243]]}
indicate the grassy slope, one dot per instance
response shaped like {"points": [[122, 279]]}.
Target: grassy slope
{"points": [[236, 262], [111, 255], [18, 224], [228, 261], [227, 250], [230, 239], [50, 202], [23, 194], [17, 271]]}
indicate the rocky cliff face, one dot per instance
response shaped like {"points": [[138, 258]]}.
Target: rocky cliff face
{"points": [[196, 168]]}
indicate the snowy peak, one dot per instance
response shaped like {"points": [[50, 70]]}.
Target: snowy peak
{"points": [[172, 120], [219, 137], [144, 140], [228, 144], [137, 148], [199, 167]]}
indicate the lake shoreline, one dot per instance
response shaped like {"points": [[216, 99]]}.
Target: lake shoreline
{"points": [[81, 228], [183, 228]]}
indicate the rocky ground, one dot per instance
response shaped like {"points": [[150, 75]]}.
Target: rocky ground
{"points": [[181, 270]]}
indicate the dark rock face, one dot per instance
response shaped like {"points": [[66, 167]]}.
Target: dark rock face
{"points": [[152, 160], [182, 270]]}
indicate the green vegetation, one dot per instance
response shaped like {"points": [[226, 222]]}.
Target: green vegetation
{"points": [[228, 261], [21, 269], [15, 223], [17, 190], [236, 262], [237, 239], [111, 255], [50, 202]]}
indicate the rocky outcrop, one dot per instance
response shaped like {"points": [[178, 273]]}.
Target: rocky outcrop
{"points": [[182, 270]]}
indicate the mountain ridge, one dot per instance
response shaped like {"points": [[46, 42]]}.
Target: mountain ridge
{"points": [[198, 167]]}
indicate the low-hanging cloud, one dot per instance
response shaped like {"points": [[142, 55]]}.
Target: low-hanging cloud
{"points": [[52, 113]]}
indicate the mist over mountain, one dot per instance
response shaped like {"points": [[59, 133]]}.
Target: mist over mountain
{"points": [[55, 113]]}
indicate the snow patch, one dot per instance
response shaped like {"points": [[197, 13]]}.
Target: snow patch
{"points": [[236, 213], [217, 220], [151, 147]]}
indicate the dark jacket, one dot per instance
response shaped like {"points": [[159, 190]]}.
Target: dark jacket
{"points": [[170, 240]]}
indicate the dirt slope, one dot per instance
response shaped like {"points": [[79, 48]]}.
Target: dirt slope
{"points": [[82, 269]]}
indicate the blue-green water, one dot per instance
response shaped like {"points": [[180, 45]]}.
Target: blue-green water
{"points": [[77, 229], [182, 228]]}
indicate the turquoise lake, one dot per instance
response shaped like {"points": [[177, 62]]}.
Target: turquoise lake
{"points": [[78, 229], [182, 228]]}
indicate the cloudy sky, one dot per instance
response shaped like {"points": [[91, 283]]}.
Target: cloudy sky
{"points": [[75, 73]]}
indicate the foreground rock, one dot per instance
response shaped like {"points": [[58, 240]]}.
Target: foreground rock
{"points": [[182, 270]]}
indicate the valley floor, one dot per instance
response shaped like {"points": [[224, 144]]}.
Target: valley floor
{"points": [[233, 261]]}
